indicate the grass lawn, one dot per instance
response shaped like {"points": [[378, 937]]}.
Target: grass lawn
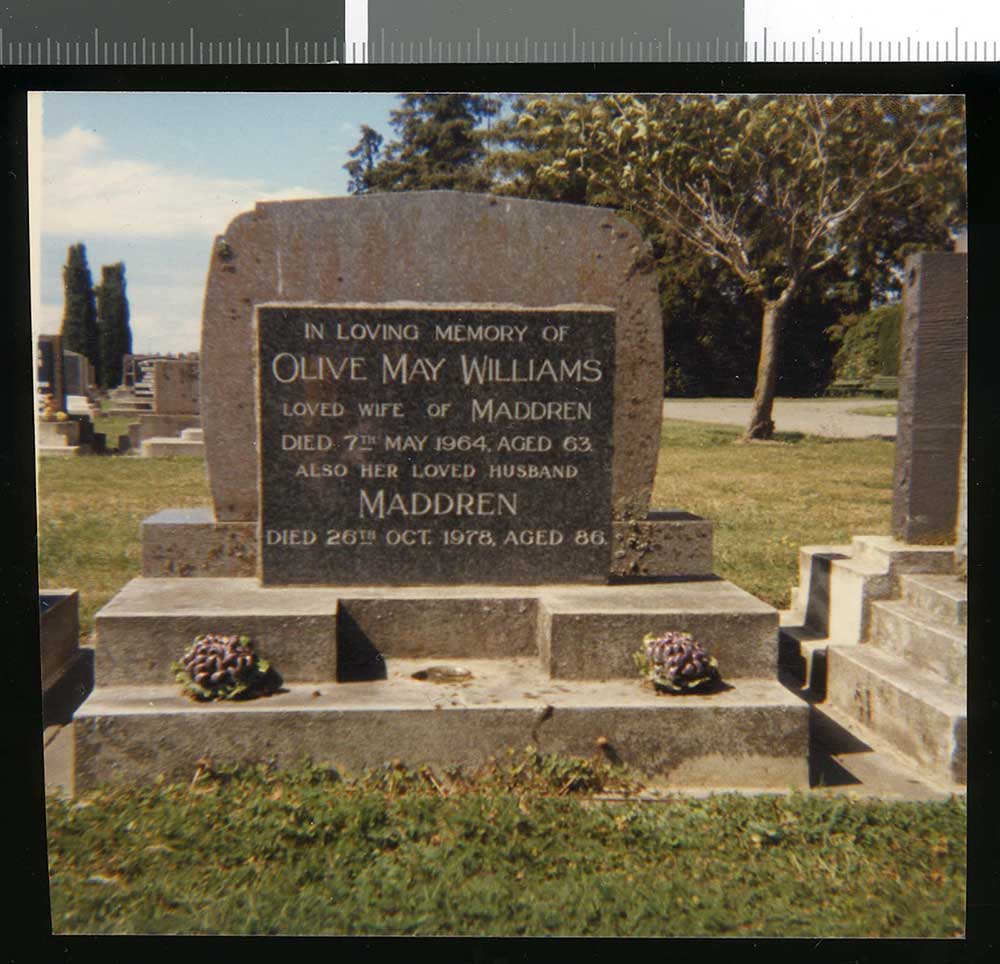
{"points": [[767, 499], [524, 849], [890, 408], [90, 510], [113, 426]]}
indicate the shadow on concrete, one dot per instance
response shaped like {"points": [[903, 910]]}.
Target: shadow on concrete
{"points": [[63, 698], [827, 741], [358, 660]]}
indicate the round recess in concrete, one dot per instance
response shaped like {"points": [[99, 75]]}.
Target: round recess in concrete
{"points": [[443, 674]]}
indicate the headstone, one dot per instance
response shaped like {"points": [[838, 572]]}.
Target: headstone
{"points": [[932, 367], [435, 444], [75, 374], [437, 247], [175, 387], [50, 369], [129, 373]]}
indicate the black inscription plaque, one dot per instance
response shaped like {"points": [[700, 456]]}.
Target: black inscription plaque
{"points": [[428, 445]]}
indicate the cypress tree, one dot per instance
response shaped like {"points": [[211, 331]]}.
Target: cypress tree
{"points": [[79, 324], [112, 325], [440, 145], [364, 158]]}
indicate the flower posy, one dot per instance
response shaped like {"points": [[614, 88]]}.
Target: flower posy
{"points": [[220, 667], [674, 662]]}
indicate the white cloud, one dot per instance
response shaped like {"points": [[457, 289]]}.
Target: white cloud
{"points": [[89, 191]]}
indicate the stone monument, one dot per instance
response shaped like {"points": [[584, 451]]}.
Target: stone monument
{"points": [[163, 393], [883, 639], [432, 424], [63, 425]]}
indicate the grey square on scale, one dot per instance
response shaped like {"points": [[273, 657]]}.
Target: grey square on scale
{"points": [[434, 444]]}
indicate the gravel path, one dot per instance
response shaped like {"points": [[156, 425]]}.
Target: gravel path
{"points": [[831, 417]]}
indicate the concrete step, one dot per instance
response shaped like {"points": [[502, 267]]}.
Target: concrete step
{"points": [[752, 735], [159, 447], [811, 598], [802, 656], [193, 434], [921, 640], [944, 597], [923, 718], [594, 634], [841, 763], [855, 584], [901, 557], [150, 623], [577, 632]]}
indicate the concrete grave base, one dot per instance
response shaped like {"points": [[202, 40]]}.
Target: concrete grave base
{"points": [[74, 436], [59, 633], [551, 666], [754, 735], [59, 434], [160, 426], [60, 451], [190, 543], [158, 448]]}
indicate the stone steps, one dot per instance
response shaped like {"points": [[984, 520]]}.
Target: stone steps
{"points": [[855, 575], [877, 633], [940, 595], [926, 643], [193, 435], [920, 715], [753, 735]]}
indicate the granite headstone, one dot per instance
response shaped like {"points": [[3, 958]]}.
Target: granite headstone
{"points": [[439, 247], [932, 376], [50, 369]]}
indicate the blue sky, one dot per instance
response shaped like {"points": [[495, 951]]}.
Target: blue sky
{"points": [[150, 178]]}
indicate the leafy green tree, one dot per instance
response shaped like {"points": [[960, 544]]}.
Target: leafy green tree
{"points": [[867, 344], [439, 145], [364, 158], [520, 155], [79, 322], [112, 325], [774, 190]]}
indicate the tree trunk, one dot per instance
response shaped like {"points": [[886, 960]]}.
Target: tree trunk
{"points": [[761, 424]]}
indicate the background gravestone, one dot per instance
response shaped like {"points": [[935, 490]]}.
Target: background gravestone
{"points": [[429, 247], [932, 371], [76, 375], [175, 387], [50, 369]]}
